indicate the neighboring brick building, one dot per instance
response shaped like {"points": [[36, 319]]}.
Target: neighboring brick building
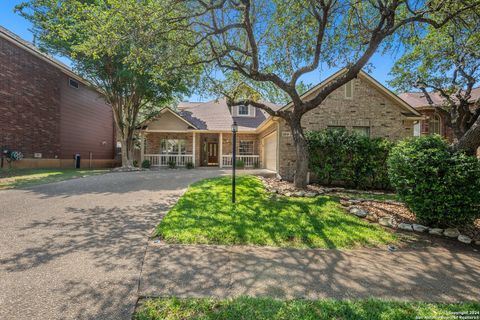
{"points": [[435, 117], [48, 112], [200, 133]]}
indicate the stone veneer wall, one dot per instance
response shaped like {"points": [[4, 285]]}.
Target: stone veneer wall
{"points": [[369, 107]]}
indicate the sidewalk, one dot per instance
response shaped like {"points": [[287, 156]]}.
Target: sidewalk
{"points": [[431, 274]]}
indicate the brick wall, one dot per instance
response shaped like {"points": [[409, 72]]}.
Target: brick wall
{"points": [[153, 141], [41, 113], [369, 107], [29, 103], [227, 142], [445, 131]]}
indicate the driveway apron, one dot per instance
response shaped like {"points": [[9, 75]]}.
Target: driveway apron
{"points": [[75, 249]]}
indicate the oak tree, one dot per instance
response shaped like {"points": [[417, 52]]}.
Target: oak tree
{"points": [[279, 41], [446, 62]]}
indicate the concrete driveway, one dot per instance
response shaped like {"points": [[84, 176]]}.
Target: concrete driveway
{"points": [[74, 249], [79, 249]]}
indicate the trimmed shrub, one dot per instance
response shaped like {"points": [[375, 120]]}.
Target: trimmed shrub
{"points": [[172, 164], [189, 165], [350, 159], [146, 164], [240, 164], [440, 186]]}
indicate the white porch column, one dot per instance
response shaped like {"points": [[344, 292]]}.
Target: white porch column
{"points": [[193, 149], [220, 150], [142, 148]]}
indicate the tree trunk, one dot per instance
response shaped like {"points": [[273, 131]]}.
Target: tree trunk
{"points": [[470, 141], [301, 164], [125, 130], [127, 152]]}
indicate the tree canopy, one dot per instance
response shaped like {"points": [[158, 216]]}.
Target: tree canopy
{"points": [[276, 42], [127, 49], [446, 61]]}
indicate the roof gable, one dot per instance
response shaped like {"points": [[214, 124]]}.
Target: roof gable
{"points": [[365, 76], [168, 119]]}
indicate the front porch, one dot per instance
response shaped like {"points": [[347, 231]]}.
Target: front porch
{"points": [[200, 149]]}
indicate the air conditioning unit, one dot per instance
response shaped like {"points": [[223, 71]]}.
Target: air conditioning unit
{"points": [[37, 155]]}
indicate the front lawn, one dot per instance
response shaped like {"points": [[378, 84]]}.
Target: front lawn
{"points": [[268, 308], [205, 215], [15, 178]]}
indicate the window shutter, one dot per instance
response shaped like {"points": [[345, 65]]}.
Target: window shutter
{"points": [[251, 111], [349, 90]]}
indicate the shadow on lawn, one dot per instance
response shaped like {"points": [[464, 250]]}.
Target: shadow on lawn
{"points": [[206, 215]]}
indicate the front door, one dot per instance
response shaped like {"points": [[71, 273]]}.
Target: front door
{"points": [[212, 149]]}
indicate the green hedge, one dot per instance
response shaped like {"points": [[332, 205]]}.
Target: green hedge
{"points": [[350, 159], [440, 186]]}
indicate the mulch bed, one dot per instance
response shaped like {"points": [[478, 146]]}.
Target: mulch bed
{"points": [[285, 186]]}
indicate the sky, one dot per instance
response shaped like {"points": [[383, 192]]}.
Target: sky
{"points": [[18, 25]]}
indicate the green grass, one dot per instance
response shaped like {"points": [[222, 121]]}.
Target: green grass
{"points": [[268, 308], [17, 178], [205, 215]]}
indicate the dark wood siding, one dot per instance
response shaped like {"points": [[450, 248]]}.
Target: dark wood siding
{"points": [[86, 123]]}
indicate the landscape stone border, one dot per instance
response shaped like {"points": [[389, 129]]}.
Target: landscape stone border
{"points": [[391, 222], [352, 206]]}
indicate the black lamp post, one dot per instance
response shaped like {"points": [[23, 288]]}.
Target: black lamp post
{"points": [[234, 156]]}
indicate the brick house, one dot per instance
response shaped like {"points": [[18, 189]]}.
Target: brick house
{"points": [[48, 112], [434, 117], [200, 133]]}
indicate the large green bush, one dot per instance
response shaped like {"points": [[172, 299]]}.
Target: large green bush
{"points": [[440, 186], [343, 157]]}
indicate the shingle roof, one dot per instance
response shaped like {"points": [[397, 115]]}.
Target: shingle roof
{"points": [[418, 99], [216, 116]]}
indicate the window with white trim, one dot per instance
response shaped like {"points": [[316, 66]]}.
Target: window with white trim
{"points": [[246, 147], [243, 110], [363, 131], [173, 146], [416, 129], [349, 90], [434, 124]]}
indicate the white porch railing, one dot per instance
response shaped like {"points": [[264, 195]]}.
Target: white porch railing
{"points": [[163, 160], [250, 161]]}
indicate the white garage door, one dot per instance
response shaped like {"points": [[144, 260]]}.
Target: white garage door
{"points": [[270, 143]]}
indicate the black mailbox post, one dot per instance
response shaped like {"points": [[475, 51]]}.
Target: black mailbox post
{"points": [[77, 160]]}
